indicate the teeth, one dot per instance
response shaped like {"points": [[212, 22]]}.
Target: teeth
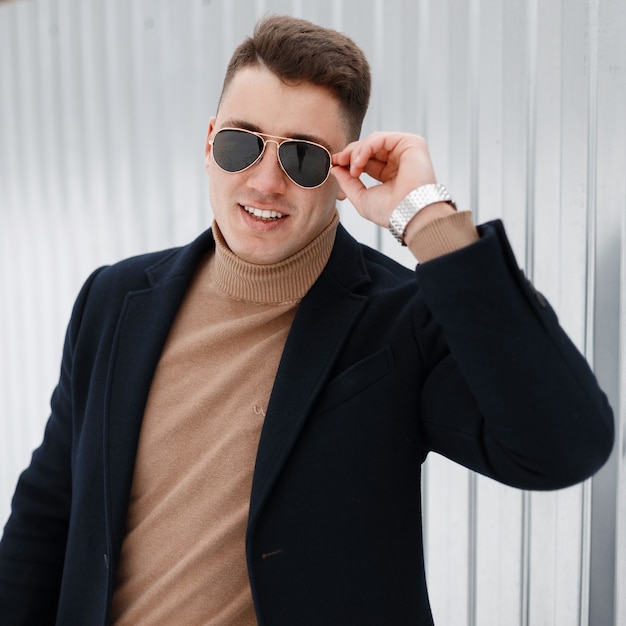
{"points": [[263, 214]]}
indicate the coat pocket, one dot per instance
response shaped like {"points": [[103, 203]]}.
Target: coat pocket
{"points": [[356, 379]]}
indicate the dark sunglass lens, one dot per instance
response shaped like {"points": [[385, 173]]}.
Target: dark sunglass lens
{"points": [[305, 163], [234, 150]]}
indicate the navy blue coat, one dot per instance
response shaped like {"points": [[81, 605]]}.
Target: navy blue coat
{"points": [[381, 366]]}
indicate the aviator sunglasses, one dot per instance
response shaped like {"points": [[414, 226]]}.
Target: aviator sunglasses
{"points": [[306, 163]]}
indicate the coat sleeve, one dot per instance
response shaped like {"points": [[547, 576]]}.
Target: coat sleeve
{"points": [[513, 399], [32, 548]]}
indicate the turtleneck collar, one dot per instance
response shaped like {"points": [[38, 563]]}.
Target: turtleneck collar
{"points": [[279, 283]]}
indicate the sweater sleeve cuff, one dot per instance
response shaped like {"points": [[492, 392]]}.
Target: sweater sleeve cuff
{"points": [[443, 235]]}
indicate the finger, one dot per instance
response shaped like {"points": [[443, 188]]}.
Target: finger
{"points": [[381, 170], [378, 156], [351, 186], [358, 152], [374, 167], [344, 157]]}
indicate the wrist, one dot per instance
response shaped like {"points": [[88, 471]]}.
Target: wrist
{"points": [[422, 205], [426, 215], [442, 236]]}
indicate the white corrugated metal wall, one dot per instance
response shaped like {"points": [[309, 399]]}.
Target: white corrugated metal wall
{"points": [[103, 114]]}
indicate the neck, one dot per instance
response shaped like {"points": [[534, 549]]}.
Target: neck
{"points": [[286, 281]]}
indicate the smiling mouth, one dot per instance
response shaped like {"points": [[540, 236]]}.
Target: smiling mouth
{"points": [[263, 214]]}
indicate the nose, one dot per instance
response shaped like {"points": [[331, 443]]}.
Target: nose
{"points": [[267, 175]]}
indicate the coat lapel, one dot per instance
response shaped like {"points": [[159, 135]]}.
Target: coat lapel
{"points": [[322, 324], [144, 323], [332, 306]]}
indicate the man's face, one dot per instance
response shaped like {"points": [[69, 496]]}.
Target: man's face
{"points": [[257, 100]]}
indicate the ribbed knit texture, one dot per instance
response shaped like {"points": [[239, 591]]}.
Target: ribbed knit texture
{"points": [[443, 235], [258, 283], [183, 557]]}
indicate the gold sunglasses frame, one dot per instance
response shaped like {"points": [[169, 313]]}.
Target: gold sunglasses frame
{"points": [[279, 141]]}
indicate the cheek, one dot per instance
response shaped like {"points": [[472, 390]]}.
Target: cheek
{"points": [[217, 190], [332, 194], [336, 191], [218, 180], [323, 209]]}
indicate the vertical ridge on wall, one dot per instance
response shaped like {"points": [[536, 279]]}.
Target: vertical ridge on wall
{"points": [[620, 551], [585, 618], [608, 96], [529, 265], [474, 159]]}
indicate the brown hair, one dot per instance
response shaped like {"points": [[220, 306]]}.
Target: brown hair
{"points": [[296, 50]]}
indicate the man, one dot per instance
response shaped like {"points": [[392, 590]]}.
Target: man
{"points": [[238, 430]]}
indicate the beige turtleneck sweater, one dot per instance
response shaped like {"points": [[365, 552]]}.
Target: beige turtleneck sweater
{"points": [[183, 558]]}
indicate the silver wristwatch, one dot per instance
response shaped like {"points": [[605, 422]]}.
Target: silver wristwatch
{"points": [[414, 202]]}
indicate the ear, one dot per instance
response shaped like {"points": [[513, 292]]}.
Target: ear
{"points": [[341, 195], [207, 145]]}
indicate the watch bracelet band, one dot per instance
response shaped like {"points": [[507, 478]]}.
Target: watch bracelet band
{"points": [[414, 202]]}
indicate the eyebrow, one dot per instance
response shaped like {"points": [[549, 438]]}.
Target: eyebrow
{"points": [[236, 123]]}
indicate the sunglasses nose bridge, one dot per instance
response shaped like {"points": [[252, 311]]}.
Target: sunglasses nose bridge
{"points": [[264, 151], [274, 141], [267, 171]]}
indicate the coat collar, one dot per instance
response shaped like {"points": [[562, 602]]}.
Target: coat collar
{"points": [[346, 265], [332, 304]]}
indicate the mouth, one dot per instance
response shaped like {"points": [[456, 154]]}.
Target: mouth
{"points": [[263, 214]]}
